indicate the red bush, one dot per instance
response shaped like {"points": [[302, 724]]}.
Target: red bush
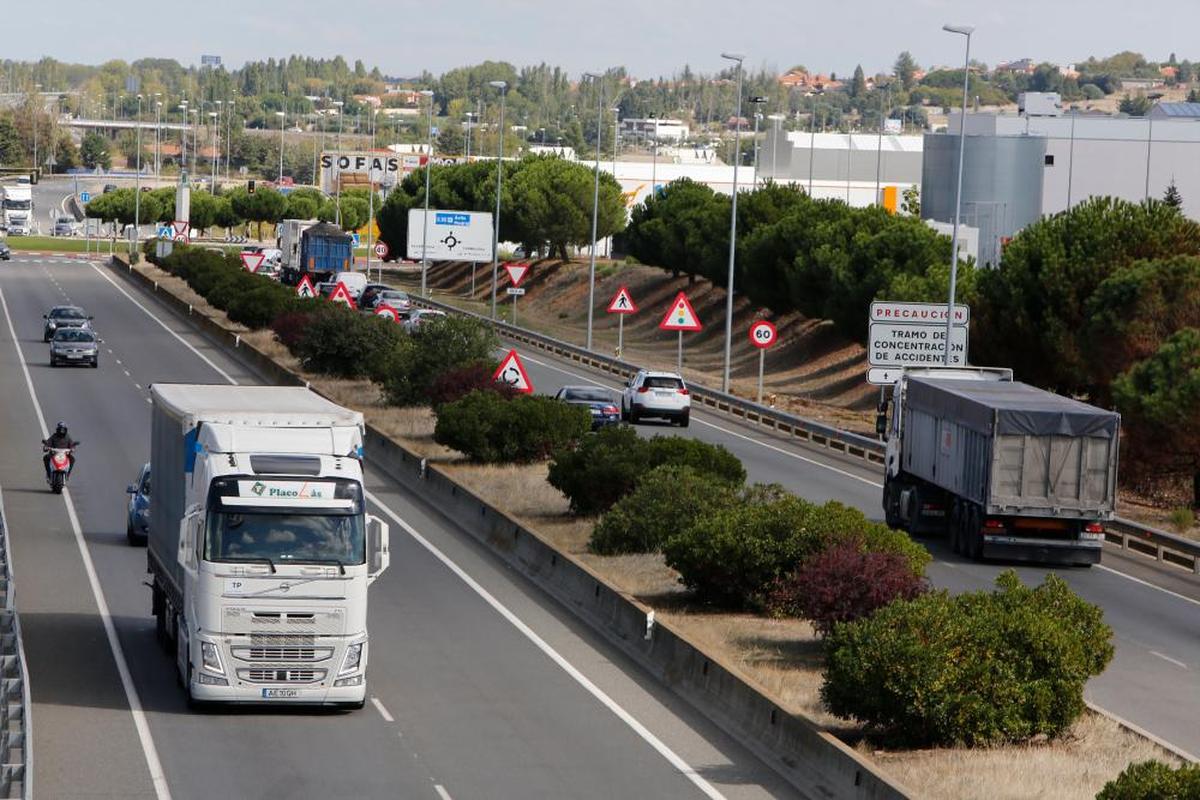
{"points": [[289, 327], [456, 384], [843, 583]]}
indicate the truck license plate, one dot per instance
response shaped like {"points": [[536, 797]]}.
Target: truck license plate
{"points": [[277, 694]]}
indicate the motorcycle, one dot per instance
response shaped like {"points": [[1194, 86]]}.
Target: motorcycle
{"points": [[60, 467]]}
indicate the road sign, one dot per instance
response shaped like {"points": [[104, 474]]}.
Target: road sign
{"points": [[517, 270], [387, 312], [925, 313], [182, 238], [341, 294], [516, 291], [181, 229], [305, 288], [252, 261], [892, 344], [512, 372], [681, 316], [883, 376], [453, 235], [622, 302], [85, 197], [165, 231], [381, 249], [763, 334]]}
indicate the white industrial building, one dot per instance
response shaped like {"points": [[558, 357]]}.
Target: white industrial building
{"points": [[651, 129], [854, 167]]}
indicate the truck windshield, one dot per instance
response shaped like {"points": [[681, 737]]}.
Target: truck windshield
{"points": [[285, 536], [18, 205]]}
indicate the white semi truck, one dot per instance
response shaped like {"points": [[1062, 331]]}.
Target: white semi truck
{"points": [[18, 208], [260, 550]]}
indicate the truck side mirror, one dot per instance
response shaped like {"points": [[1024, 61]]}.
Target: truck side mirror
{"points": [[379, 555]]}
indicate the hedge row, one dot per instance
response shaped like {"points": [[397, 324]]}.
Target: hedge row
{"points": [[221, 279]]}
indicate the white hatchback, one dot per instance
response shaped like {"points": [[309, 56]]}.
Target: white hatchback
{"points": [[656, 394]]}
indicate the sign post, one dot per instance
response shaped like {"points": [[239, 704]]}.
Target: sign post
{"points": [[680, 317], [763, 334], [914, 335], [621, 304], [517, 270]]}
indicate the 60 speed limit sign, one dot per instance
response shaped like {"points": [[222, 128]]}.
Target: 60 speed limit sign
{"points": [[763, 334]]}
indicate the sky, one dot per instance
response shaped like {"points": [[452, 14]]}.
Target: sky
{"points": [[648, 38]]}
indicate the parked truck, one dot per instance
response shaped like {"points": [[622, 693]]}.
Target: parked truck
{"points": [[18, 208], [1005, 469], [316, 249], [260, 550]]}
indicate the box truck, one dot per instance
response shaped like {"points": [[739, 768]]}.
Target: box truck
{"points": [[260, 550], [1005, 469]]}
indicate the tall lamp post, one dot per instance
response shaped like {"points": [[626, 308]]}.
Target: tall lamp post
{"points": [[157, 138], [757, 102], [428, 95], [337, 145], [500, 86], [654, 150], [282, 118], [599, 87], [469, 115], [213, 121], [738, 58], [964, 31], [137, 184]]}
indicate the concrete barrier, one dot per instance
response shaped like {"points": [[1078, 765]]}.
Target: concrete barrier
{"points": [[16, 731], [815, 762]]}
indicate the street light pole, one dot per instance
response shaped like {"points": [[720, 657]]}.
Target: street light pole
{"points": [[812, 148], [137, 183], [337, 145], [214, 121], [962, 30], [500, 86], [157, 138], [757, 101], [879, 152], [427, 94], [654, 150], [737, 146], [595, 78], [282, 117], [469, 115]]}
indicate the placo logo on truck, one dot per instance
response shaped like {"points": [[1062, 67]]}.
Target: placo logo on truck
{"points": [[285, 490]]}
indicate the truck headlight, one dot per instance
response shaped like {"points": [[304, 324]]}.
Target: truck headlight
{"points": [[353, 659], [210, 658]]}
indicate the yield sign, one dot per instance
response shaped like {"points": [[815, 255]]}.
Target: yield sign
{"points": [[681, 316], [305, 288], [252, 261], [387, 312], [517, 271], [622, 302], [181, 228], [512, 372], [342, 295]]}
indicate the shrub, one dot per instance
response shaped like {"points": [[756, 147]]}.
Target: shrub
{"points": [[456, 384], [256, 308], [607, 466], [342, 343], [842, 583], [488, 427], [291, 326], [407, 374], [666, 499], [976, 668], [1154, 780]]}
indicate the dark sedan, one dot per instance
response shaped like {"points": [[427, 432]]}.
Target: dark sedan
{"points": [[599, 400]]}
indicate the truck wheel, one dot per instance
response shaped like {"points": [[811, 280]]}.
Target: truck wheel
{"points": [[956, 526], [974, 538], [891, 504]]}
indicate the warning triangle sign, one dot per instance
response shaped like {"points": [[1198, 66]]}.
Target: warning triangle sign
{"points": [[681, 316], [342, 295], [305, 288], [622, 302], [387, 312], [512, 372], [252, 261], [517, 271]]}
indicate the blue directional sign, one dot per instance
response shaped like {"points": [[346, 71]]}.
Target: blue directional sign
{"points": [[85, 196], [356, 238]]}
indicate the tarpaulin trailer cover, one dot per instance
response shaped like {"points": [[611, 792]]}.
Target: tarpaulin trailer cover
{"points": [[1009, 408]]}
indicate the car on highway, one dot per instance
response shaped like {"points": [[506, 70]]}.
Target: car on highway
{"points": [[663, 395], [421, 316], [395, 298], [5, 251], [367, 298], [137, 516], [74, 346], [598, 400], [109, 187], [64, 317], [355, 283], [65, 226]]}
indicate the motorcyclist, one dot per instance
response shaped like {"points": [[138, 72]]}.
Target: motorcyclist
{"points": [[59, 440]]}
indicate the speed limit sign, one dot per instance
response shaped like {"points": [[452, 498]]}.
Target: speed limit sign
{"points": [[381, 249], [763, 334]]}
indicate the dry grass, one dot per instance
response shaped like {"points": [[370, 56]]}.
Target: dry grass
{"points": [[519, 489]]}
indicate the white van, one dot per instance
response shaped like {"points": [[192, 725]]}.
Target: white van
{"points": [[355, 282]]}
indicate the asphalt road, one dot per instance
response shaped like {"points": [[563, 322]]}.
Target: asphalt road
{"points": [[1154, 679], [479, 685]]}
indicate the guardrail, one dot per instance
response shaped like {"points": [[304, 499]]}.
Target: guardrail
{"points": [[16, 738], [1130, 536]]}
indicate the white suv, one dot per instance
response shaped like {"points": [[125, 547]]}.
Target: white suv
{"points": [[656, 394]]}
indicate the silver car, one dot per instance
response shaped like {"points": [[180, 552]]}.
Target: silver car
{"points": [[74, 346], [61, 317]]}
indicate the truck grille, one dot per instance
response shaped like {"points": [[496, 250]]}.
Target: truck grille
{"points": [[266, 675], [282, 653]]}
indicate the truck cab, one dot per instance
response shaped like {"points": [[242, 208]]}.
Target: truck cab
{"points": [[18, 209]]}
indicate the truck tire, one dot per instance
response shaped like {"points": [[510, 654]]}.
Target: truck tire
{"points": [[891, 503], [956, 527], [974, 534]]}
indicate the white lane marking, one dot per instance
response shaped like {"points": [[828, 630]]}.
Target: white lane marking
{"points": [[1149, 585], [383, 712], [1168, 659], [157, 776], [165, 327], [728, 432], [441, 792], [641, 730]]}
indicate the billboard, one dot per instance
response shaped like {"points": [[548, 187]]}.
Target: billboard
{"points": [[210, 61], [453, 235], [358, 168]]}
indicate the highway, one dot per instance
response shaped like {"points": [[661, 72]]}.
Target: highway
{"points": [[1154, 679], [480, 686]]}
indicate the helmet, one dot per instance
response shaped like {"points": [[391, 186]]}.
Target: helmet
{"points": [[61, 428]]}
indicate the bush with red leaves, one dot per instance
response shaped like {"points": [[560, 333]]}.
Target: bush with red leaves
{"points": [[456, 384], [842, 583], [290, 327]]}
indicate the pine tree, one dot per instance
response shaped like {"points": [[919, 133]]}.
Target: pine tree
{"points": [[858, 84], [1172, 197]]}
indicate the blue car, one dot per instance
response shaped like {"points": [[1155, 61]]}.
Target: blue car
{"points": [[137, 526], [599, 400]]}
